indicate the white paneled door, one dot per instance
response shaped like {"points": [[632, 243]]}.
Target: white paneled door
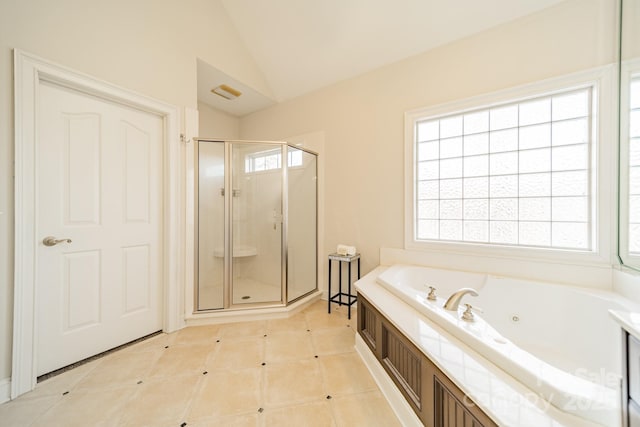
{"points": [[99, 185]]}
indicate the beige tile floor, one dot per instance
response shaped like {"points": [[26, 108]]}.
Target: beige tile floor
{"points": [[300, 371]]}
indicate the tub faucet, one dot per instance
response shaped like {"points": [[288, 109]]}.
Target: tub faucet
{"points": [[454, 300]]}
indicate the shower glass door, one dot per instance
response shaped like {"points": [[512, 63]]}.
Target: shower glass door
{"points": [[302, 190], [210, 223], [256, 212]]}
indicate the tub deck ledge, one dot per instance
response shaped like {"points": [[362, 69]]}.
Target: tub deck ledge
{"points": [[507, 401]]}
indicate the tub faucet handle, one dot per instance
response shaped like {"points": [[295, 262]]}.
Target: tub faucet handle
{"points": [[468, 313], [432, 294]]}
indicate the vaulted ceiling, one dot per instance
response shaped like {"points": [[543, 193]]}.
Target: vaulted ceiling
{"points": [[304, 45]]}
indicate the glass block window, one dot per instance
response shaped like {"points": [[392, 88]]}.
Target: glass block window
{"points": [[634, 168], [511, 174]]}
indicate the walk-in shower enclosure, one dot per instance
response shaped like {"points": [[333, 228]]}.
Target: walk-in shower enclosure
{"points": [[256, 223]]}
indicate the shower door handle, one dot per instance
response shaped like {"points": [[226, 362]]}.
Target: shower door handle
{"points": [[277, 219]]}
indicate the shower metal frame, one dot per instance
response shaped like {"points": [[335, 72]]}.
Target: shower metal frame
{"points": [[227, 287]]}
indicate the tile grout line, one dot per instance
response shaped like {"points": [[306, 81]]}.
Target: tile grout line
{"points": [[73, 388], [61, 396], [203, 378], [325, 381], [262, 422], [328, 334]]}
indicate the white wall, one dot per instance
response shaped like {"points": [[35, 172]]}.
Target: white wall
{"points": [[363, 118], [217, 124], [149, 46]]}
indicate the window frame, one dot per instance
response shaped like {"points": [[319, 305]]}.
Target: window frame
{"points": [[252, 157], [629, 71], [603, 176]]}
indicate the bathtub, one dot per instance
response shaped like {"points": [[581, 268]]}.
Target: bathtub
{"points": [[557, 340]]}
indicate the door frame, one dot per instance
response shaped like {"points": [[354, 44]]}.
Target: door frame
{"points": [[29, 72]]}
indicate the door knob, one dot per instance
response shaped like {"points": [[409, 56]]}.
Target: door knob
{"points": [[52, 241]]}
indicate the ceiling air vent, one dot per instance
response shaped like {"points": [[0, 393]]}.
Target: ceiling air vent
{"points": [[227, 92]]}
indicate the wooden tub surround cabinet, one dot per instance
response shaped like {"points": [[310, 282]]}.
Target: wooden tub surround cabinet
{"points": [[433, 397]]}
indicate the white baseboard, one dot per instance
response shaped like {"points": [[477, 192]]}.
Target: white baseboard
{"points": [[395, 398], [5, 390]]}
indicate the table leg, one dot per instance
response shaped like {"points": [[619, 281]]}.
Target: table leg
{"points": [[349, 296], [340, 282], [329, 291]]}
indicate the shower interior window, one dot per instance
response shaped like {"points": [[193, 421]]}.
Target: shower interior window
{"points": [[271, 159]]}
